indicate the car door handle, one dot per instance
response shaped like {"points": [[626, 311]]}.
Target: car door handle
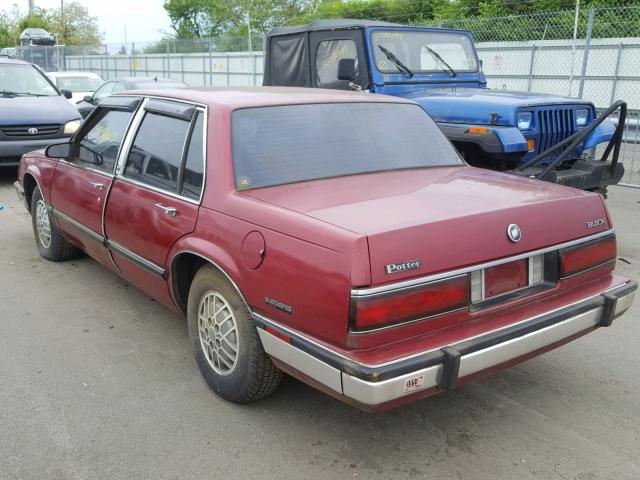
{"points": [[97, 186], [171, 211]]}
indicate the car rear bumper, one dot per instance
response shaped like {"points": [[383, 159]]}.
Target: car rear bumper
{"points": [[406, 379]]}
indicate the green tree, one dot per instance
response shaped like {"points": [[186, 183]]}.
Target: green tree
{"points": [[73, 25]]}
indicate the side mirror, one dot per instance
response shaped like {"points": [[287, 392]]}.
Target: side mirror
{"points": [[347, 69], [58, 150], [88, 99], [67, 93]]}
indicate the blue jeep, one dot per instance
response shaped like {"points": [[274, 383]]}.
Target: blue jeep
{"points": [[439, 69], [33, 112]]}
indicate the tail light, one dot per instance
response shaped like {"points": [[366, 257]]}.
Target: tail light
{"points": [[410, 304], [587, 255]]}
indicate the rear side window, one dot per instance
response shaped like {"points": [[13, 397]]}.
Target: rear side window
{"points": [[193, 176], [156, 154], [296, 143]]}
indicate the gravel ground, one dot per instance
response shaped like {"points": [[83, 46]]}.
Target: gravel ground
{"points": [[97, 381]]}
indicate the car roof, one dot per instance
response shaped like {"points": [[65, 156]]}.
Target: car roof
{"points": [[342, 23], [73, 74], [241, 97], [13, 60]]}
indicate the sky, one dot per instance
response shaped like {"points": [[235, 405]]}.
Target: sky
{"points": [[145, 19]]}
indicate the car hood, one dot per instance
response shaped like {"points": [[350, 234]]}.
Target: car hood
{"points": [[476, 105], [439, 214], [36, 110]]}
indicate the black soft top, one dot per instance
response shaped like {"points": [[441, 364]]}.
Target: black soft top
{"points": [[334, 24]]}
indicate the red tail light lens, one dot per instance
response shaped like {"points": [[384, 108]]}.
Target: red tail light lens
{"points": [[412, 304], [588, 255]]}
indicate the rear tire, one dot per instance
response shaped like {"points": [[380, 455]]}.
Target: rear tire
{"points": [[51, 245], [225, 341]]}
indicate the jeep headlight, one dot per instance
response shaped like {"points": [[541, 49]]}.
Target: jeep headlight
{"points": [[524, 120], [582, 117], [71, 127]]}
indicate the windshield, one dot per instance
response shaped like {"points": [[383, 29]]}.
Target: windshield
{"points": [[297, 143], [423, 51], [24, 79], [78, 84]]}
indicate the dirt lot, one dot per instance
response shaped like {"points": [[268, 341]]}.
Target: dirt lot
{"points": [[97, 381]]}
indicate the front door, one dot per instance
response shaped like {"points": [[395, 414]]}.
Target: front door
{"points": [[81, 183], [154, 199]]}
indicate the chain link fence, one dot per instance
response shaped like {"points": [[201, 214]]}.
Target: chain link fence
{"points": [[533, 53]]}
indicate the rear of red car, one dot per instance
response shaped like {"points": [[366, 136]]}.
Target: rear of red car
{"points": [[468, 271]]}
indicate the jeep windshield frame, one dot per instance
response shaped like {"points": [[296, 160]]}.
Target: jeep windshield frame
{"points": [[279, 145], [455, 48]]}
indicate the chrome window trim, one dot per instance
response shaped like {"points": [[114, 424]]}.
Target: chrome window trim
{"points": [[363, 292], [127, 144], [424, 352], [215, 264]]}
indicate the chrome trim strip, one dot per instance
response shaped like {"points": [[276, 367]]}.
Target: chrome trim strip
{"points": [[424, 352], [215, 264], [301, 361], [363, 292], [519, 346], [375, 393], [155, 189], [74, 223], [125, 145], [137, 259]]}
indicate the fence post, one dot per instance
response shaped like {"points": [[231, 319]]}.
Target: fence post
{"points": [[531, 65], [615, 75], [585, 55], [210, 66], [227, 69], [106, 62]]}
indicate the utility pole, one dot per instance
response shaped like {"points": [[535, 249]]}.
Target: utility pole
{"points": [[249, 28], [64, 29], [31, 6], [573, 44]]}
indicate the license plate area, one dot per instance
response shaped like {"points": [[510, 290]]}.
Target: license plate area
{"points": [[506, 278], [510, 279]]}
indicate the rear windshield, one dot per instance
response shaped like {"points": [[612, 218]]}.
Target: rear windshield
{"points": [[297, 143]]}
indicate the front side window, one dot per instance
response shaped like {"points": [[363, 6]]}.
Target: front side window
{"points": [[328, 55], [423, 51], [296, 143], [99, 142], [156, 155], [24, 80]]}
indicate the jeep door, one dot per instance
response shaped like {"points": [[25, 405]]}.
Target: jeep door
{"points": [[82, 181], [155, 197], [326, 51]]}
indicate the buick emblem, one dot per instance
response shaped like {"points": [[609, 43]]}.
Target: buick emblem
{"points": [[514, 233], [32, 131]]}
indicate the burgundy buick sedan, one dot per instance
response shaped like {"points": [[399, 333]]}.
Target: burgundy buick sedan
{"points": [[337, 237]]}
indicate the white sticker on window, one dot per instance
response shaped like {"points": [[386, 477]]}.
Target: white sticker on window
{"points": [[414, 383]]}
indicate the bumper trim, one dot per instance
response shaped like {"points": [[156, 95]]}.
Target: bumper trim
{"points": [[443, 367]]}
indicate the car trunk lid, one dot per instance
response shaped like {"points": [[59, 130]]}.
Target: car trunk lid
{"points": [[442, 219]]}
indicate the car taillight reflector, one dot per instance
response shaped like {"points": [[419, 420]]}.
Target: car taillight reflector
{"points": [[588, 255], [411, 304]]}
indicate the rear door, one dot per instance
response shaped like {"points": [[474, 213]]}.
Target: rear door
{"points": [[81, 183], [155, 197]]}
